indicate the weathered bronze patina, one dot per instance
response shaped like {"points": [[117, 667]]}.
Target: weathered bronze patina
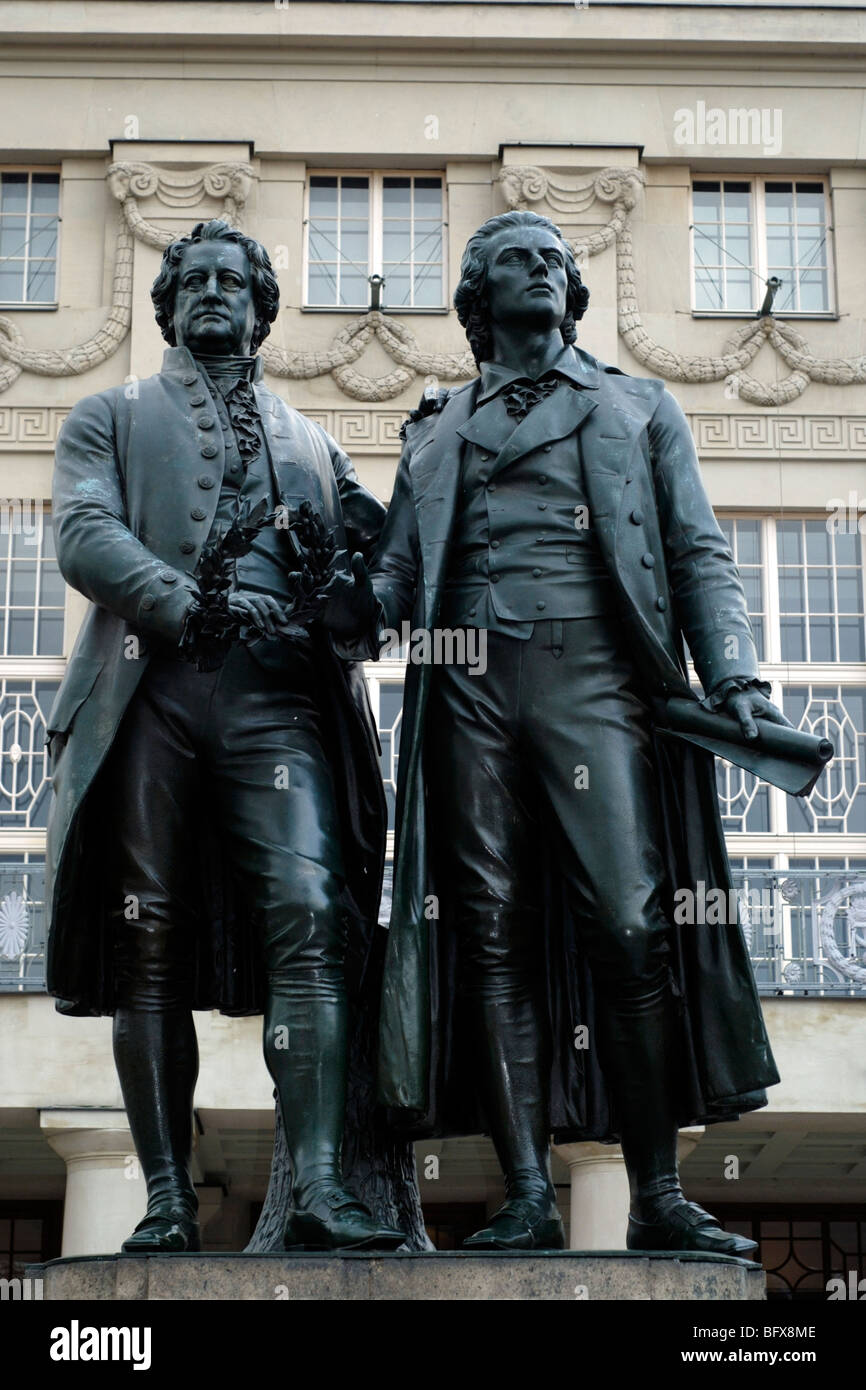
{"points": [[217, 834], [544, 824]]}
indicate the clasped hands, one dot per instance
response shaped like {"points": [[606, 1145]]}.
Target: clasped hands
{"points": [[348, 605]]}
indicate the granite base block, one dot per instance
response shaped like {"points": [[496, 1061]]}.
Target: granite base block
{"points": [[442, 1275]]}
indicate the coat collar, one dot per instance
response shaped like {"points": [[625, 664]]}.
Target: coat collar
{"points": [[556, 417], [572, 363], [179, 362]]}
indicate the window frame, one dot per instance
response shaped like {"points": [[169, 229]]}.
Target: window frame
{"points": [[758, 224], [52, 305], [783, 842], [375, 241]]}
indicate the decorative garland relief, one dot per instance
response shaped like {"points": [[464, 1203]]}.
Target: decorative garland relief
{"points": [[562, 196]]}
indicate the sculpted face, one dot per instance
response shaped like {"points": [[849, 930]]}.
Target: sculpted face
{"points": [[214, 307], [526, 279]]}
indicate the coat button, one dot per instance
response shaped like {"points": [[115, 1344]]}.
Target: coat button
{"points": [[636, 517], [198, 514], [187, 547], [494, 579], [206, 422], [482, 477], [648, 561], [542, 506], [472, 612], [205, 481], [661, 603], [491, 487], [190, 380], [536, 574], [208, 451], [494, 545], [168, 578], [541, 607], [547, 448], [485, 458], [148, 602], [542, 478], [198, 399]]}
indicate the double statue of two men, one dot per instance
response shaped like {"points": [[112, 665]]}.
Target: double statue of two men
{"points": [[217, 833]]}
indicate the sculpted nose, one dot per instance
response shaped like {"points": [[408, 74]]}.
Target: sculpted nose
{"points": [[211, 288]]}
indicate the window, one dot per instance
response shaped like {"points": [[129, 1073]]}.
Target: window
{"points": [[32, 604], [804, 588], [803, 1248], [29, 219], [360, 225], [746, 231]]}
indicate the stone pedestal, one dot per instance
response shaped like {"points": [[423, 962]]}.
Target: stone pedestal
{"points": [[456, 1276], [105, 1190]]}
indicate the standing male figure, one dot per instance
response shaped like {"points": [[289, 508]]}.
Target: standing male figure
{"points": [[217, 835], [557, 504]]}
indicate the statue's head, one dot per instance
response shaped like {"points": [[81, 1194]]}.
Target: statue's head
{"points": [[518, 270], [216, 292]]}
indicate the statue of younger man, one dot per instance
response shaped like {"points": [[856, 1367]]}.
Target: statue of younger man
{"points": [[217, 835], [543, 826]]}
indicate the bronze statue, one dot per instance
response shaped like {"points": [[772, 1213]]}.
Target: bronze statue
{"points": [[217, 835], [544, 824]]}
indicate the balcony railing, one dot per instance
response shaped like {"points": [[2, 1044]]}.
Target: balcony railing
{"points": [[806, 929]]}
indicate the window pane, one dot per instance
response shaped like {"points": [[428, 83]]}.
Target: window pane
{"points": [[354, 288], [793, 633], [789, 540], [11, 283], [748, 542], [428, 288], [13, 236], [43, 238], [852, 639], [40, 281], [45, 189], [814, 295], [849, 591], [323, 197], [322, 284], [397, 197], [13, 192], [50, 633], [354, 197], [818, 543], [353, 246], [791, 592]]}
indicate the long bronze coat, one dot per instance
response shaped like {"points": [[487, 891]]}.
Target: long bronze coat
{"points": [[646, 499], [137, 479]]}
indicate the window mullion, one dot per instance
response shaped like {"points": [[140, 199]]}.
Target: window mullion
{"points": [[772, 608], [375, 243], [761, 254], [28, 208]]}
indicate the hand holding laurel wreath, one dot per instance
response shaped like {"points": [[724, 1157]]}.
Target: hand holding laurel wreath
{"points": [[221, 615]]}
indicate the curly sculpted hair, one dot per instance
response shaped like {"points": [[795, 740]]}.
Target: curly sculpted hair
{"points": [[469, 297], [266, 292]]}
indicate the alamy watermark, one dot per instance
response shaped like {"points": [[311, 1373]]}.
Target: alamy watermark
{"points": [[438, 646], [741, 125]]}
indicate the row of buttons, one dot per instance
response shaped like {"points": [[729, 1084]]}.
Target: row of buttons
{"points": [[648, 560]]}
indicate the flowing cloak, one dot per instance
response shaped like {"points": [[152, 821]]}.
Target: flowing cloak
{"points": [[637, 453], [129, 467]]}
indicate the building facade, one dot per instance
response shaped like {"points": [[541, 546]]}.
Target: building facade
{"points": [[708, 164]]}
